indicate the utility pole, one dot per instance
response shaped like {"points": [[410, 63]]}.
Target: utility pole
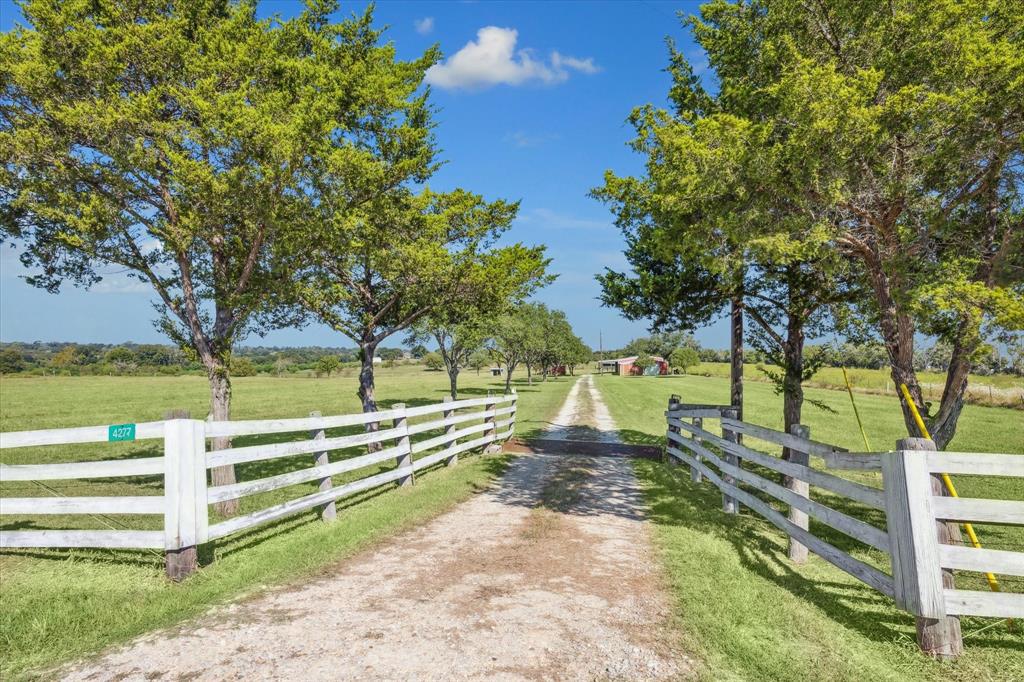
{"points": [[600, 352]]}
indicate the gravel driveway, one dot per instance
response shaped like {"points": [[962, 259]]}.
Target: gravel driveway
{"points": [[548, 575]]}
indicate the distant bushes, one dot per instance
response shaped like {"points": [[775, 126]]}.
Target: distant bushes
{"points": [[130, 359]]}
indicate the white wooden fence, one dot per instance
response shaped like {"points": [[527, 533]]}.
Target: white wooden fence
{"points": [[465, 424], [920, 519]]}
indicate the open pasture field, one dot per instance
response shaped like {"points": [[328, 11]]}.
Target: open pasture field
{"points": [[998, 390], [56, 605], [752, 614]]}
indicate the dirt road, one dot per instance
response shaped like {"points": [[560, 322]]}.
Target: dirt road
{"points": [[549, 575]]}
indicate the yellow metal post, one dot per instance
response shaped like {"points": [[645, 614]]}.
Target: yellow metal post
{"points": [[856, 413]]}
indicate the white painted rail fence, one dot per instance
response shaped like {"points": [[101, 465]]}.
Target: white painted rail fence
{"points": [[919, 519], [404, 435]]}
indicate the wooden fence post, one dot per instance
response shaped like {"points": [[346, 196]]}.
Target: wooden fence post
{"points": [[492, 432], [730, 505], [185, 501], [673, 404], [695, 474], [449, 412], [515, 411], [404, 458], [797, 551], [914, 538], [329, 511]]}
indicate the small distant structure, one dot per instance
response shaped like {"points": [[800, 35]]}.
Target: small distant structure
{"points": [[627, 366], [377, 360], [497, 371]]}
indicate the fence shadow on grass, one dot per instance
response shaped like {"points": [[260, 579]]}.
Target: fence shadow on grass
{"points": [[677, 502]]}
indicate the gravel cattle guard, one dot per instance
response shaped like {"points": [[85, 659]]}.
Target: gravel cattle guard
{"points": [[548, 575]]}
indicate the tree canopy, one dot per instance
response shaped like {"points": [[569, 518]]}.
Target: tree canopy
{"points": [[188, 143]]}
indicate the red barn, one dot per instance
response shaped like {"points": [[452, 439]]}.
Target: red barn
{"points": [[627, 366]]}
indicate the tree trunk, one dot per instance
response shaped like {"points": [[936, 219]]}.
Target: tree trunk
{"points": [[453, 380], [792, 379], [736, 355], [529, 374], [898, 338], [220, 410], [508, 377], [943, 426], [367, 394]]}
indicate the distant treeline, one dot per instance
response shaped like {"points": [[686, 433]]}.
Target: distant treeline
{"points": [[869, 355], [48, 358]]}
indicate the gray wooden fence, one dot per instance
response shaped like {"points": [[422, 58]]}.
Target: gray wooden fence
{"points": [[921, 528], [405, 436]]}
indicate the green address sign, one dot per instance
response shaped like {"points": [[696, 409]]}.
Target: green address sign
{"points": [[117, 432]]}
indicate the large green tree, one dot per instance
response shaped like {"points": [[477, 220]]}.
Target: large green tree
{"points": [[378, 271], [721, 229], [185, 143], [906, 121], [461, 326]]}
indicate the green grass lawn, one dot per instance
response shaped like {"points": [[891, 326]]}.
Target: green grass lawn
{"points": [[749, 613], [56, 605], [1000, 390]]}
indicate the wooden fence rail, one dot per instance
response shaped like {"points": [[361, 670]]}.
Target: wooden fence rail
{"points": [[187, 493], [921, 522]]}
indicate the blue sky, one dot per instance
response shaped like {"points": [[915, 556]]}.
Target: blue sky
{"points": [[532, 108]]}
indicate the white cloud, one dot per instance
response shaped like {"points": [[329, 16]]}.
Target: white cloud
{"points": [[424, 25], [587, 66], [492, 59]]}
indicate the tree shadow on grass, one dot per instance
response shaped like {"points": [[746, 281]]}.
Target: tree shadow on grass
{"points": [[676, 501]]}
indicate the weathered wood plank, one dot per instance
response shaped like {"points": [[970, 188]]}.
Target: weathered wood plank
{"points": [[835, 556], [460, 404], [698, 423], [261, 485], [977, 509], [111, 468], [981, 560], [278, 511], [231, 429], [321, 458], [449, 431], [786, 440], [432, 458], [114, 539], [991, 604], [855, 528], [454, 419], [914, 551], [801, 488], [403, 460], [975, 463], [142, 504], [871, 497], [80, 434], [256, 453], [447, 437], [853, 461], [690, 413], [730, 503]]}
